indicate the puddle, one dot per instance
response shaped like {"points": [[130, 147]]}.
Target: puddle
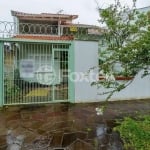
{"points": [[59, 127], [65, 126], [102, 138]]}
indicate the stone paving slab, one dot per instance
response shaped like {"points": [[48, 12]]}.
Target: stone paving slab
{"points": [[52, 119]]}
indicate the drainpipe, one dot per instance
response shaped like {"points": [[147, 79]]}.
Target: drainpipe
{"points": [[1, 74]]}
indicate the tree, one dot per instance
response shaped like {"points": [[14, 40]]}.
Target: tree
{"points": [[127, 35]]}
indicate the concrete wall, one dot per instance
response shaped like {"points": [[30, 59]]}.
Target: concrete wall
{"points": [[86, 56], [138, 89]]}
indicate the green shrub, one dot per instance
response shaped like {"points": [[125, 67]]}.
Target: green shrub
{"points": [[135, 133], [11, 89]]}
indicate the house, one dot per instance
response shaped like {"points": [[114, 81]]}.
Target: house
{"points": [[44, 58], [47, 58]]}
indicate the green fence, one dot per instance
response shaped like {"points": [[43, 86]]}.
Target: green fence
{"points": [[35, 72]]}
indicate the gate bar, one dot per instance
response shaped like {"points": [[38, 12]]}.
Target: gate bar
{"points": [[1, 74]]}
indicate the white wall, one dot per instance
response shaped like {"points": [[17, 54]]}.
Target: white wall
{"points": [[86, 56], [138, 89]]}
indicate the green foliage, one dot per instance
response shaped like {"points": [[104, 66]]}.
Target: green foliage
{"points": [[127, 37], [135, 133], [11, 89]]}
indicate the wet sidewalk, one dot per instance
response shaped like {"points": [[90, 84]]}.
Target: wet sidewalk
{"points": [[64, 126]]}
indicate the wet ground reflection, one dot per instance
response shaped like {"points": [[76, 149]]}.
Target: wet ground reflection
{"points": [[64, 126]]}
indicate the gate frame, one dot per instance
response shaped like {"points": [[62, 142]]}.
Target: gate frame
{"points": [[1, 74], [71, 85]]}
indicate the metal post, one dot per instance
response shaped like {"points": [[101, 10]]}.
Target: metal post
{"points": [[53, 86], [71, 69], [1, 74]]}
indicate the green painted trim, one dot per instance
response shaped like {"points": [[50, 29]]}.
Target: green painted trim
{"points": [[33, 41], [53, 55], [53, 86], [63, 50], [71, 69], [37, 103], [1, 74]]}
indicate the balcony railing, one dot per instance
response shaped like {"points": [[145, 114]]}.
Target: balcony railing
{"points": [[10, 29]]}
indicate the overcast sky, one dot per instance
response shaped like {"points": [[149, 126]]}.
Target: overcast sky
{"points": [[86, 9]]}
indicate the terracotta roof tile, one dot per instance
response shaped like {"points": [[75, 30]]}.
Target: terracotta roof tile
{"points": [[40, 37]]}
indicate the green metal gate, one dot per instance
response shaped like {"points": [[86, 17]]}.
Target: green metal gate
{"points": [[35, 73]]}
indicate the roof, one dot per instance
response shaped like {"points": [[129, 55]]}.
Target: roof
{"points": [[144, 9], [40, 37], [42, 16]]}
